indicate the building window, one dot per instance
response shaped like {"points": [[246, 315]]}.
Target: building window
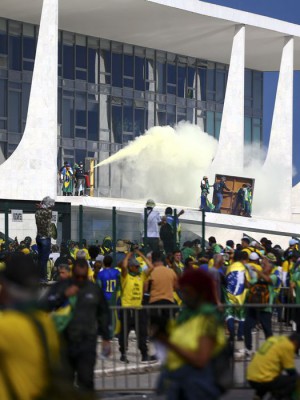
{"points": [[68, 55], [14, 111], [15, 46], [68, 117]]}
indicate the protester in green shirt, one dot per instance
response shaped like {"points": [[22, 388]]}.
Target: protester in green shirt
{"points": [[295, 289]]}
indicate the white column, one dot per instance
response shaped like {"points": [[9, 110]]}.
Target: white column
{"points": [[279, 160], [200, 121], [151, 105], [31, 171], [229, 159]]}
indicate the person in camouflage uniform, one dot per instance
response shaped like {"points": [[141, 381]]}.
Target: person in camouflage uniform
{"points": [[43, 217]]}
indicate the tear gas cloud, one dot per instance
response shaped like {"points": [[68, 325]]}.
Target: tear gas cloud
{"points": [[167, 164]]}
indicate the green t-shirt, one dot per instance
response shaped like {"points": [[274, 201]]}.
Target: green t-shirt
{"points": [[187, 252], [295, 277]]}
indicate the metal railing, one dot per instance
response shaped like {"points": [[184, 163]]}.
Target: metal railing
{"points": [[137, 376]]}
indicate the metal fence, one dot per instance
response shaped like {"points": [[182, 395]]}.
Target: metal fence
{"points": [[92, 224], [95, 224], [137, 376]]}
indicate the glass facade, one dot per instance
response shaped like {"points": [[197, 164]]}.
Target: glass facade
{"points": [[110, 92]]}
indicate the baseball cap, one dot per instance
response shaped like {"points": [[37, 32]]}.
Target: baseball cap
{"points": [[253, 256], [292, 242], [271, 257], [150, 203]]}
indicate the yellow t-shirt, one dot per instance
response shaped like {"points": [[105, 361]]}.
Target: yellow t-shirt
{"points": [[87, 257], [187, 335], [132, 289], [287, 266], [276, 354], [250, 250], [22, 354], [255, 266]]}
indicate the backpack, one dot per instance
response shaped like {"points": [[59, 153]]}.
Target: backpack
{"points": [[259, 293], [166, 233]]}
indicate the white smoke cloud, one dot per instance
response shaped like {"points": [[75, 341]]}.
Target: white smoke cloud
{"points": [[166, 164]]}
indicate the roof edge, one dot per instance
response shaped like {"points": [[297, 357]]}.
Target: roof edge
{"points": [[232, 15]]}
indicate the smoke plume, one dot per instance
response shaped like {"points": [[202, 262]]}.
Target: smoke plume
{"points": [[166, 164]]}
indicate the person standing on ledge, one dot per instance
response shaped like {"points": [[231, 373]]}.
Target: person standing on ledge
{"points": [[219, 189], [67, 180], [205, 203], [153, 221], [80, 180], [43, 217]]}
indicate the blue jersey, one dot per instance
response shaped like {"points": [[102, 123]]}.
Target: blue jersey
{"points": [[108, 279]]}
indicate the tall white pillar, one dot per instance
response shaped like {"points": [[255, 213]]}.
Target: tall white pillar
{"points": [[34, 161], [151, 104], [229, 159], [200, 121], [279, 160]]}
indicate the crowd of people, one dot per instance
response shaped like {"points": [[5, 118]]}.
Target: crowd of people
{"points": [[218, 295]]}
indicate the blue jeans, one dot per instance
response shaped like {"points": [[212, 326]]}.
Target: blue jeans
{"points": [[247, 207], [203, 202], [44, 249], [220, 201], [189, 383], [253, 316]]}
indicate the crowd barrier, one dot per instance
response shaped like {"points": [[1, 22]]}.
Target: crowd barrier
{"points": [[92, 225], [112, 375]]}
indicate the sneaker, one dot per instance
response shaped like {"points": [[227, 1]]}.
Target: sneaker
{"points": [[124, 359], [244, 354], [148, 359], [240, 339]]}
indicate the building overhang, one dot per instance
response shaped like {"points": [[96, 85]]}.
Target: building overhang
{"points": [[191, 27]]}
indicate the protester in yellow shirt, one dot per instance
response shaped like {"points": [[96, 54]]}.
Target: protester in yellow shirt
{"points": [[24, 369], [276, 355], [81, 254], [87, 255], [193, 341], [132, 286], [254, 262]]}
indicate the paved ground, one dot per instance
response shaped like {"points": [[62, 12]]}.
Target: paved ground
{"points": [[137, 381], [232, 395]]}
